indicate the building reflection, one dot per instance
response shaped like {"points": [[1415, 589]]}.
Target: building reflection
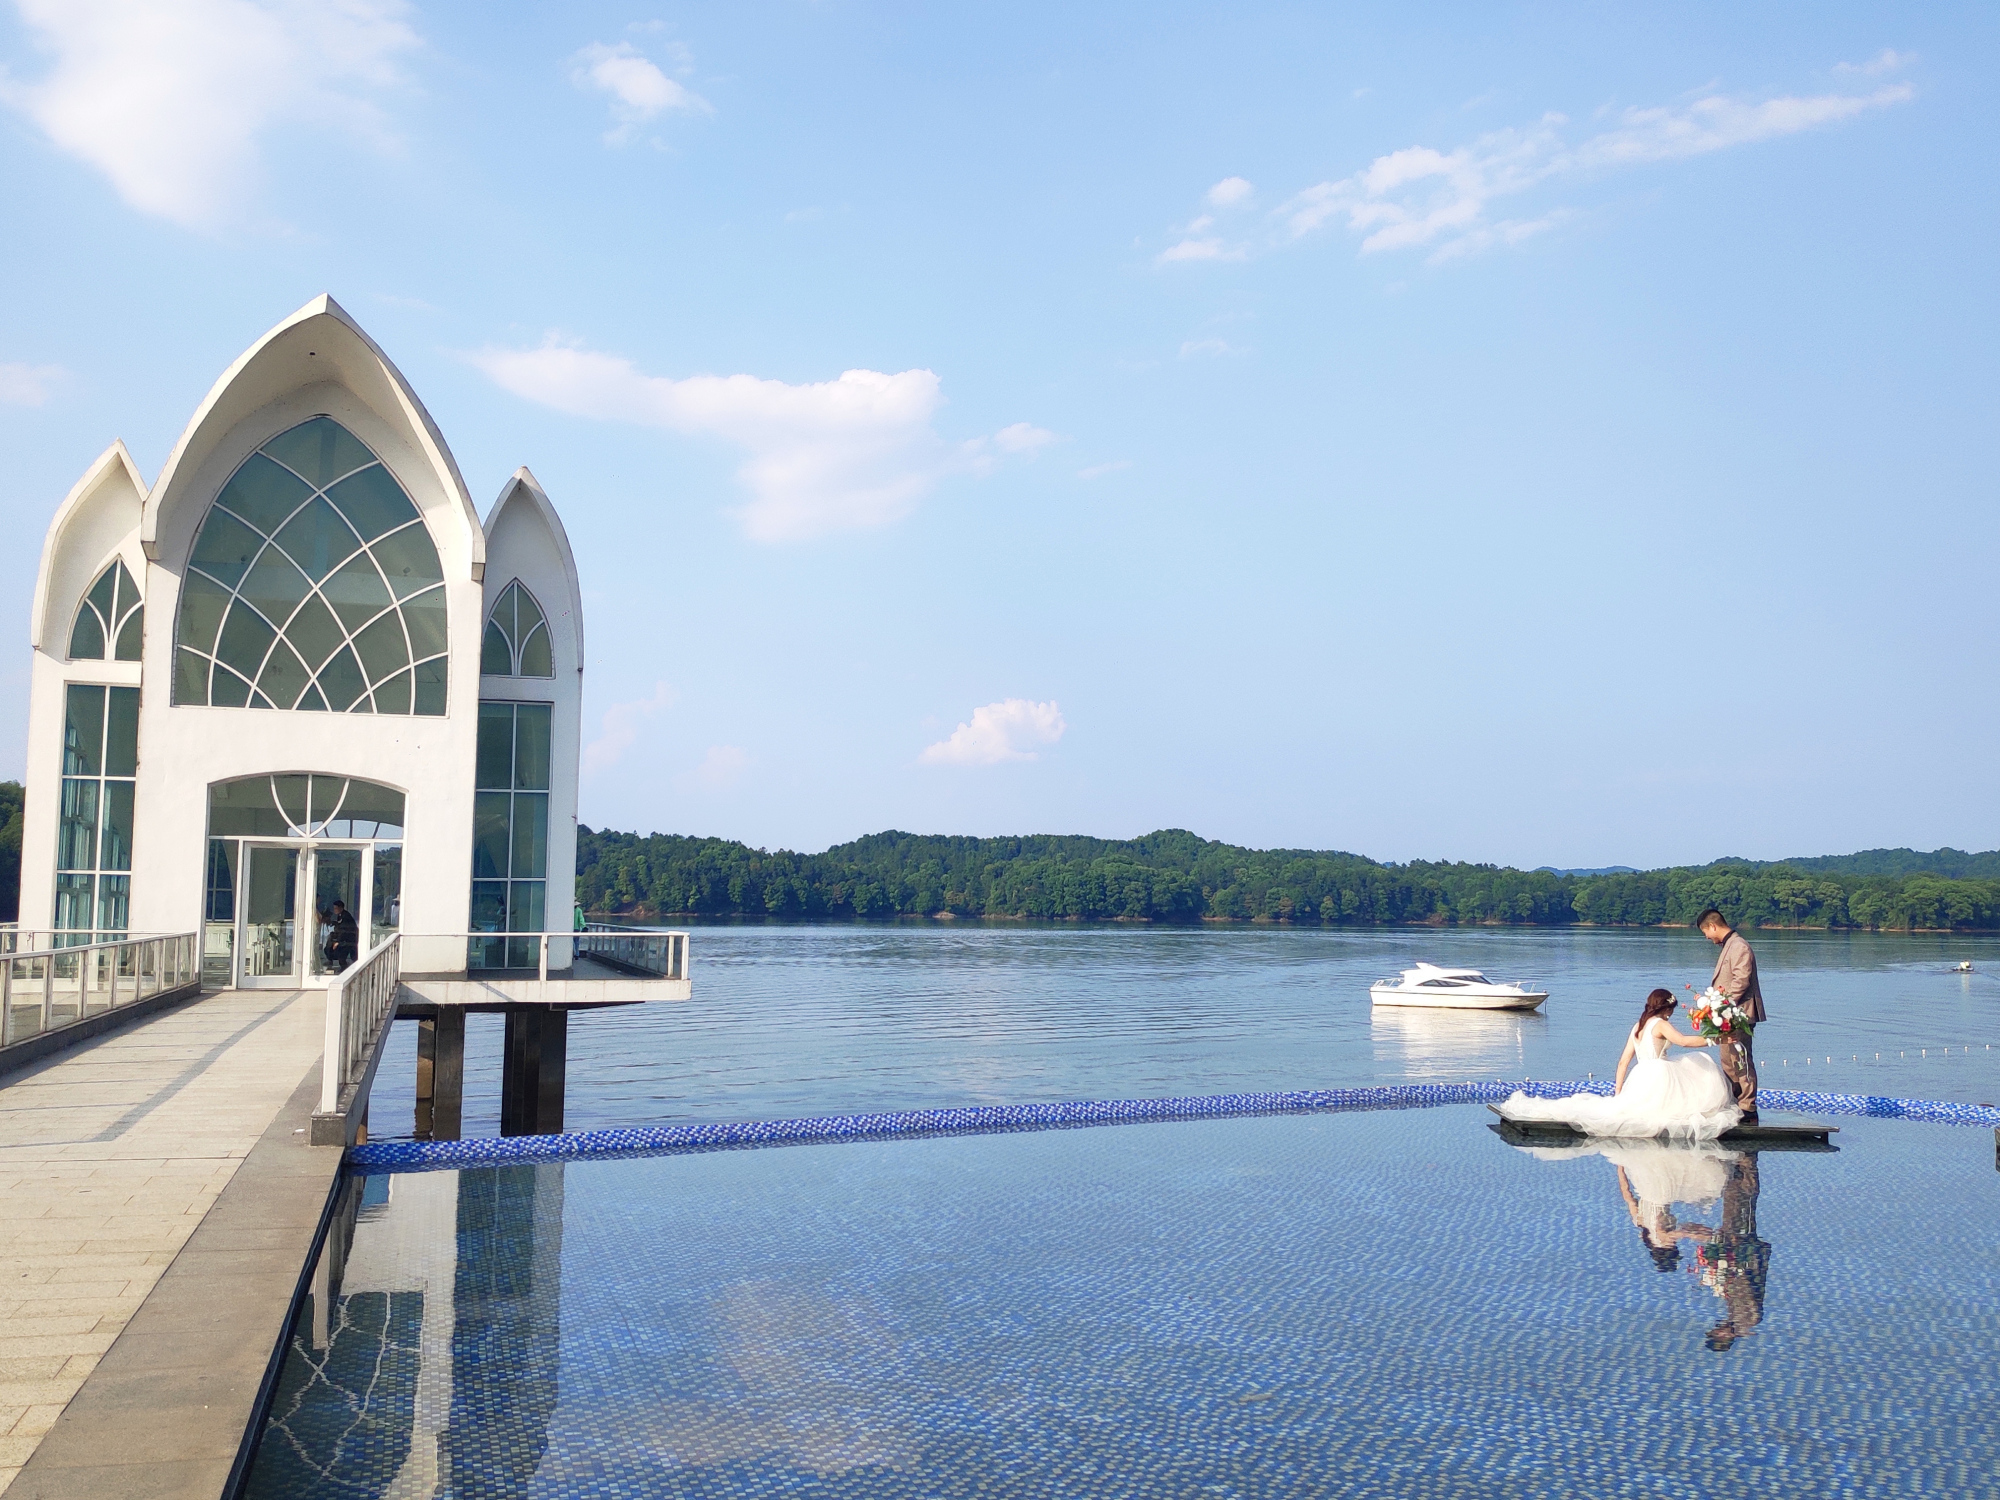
{"points": [[426, 1360]]}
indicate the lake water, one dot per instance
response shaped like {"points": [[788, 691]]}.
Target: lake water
{"points": [[808, 1020]]}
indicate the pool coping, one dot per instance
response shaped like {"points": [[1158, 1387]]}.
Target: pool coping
{"points": [[380, 1157]]}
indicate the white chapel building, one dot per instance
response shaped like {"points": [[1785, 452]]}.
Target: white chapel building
{"points": [[297, 670]]}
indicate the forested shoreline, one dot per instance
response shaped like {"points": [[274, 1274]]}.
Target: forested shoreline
{"points": [[1176, 876]]}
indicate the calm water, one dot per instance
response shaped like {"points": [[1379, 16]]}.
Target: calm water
{"points": [[792, 1020], [1395, 1304]]}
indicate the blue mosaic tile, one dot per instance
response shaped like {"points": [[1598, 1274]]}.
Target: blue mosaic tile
{"points": [[417, 1156], [1358, 1296]]}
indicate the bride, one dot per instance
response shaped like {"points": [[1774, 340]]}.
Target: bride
{"points": [[1687, 1097]]}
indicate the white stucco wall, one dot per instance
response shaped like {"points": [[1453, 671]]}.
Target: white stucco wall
{"points": [[316, 362], [525, 540]]}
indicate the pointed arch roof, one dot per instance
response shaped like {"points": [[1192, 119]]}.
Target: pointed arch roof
{"points": [[522, 495], [111, 482], [320, 342]]}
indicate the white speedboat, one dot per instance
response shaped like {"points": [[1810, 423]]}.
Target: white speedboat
{"points": [[1454, 989]]}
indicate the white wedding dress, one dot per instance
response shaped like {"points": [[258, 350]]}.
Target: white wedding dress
{"points": [[1685, 1097]]}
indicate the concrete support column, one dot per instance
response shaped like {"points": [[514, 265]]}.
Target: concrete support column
{"points": [[426, 1075], [531, 1073], [446, 1106]]}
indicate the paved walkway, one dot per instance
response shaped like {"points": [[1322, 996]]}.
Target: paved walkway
{"points": [[110, 1156]]}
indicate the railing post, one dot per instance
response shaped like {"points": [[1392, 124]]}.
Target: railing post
{"points": [[330, 1068], [542, 972], [48, 991]]}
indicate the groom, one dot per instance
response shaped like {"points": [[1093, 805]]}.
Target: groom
{"points": [[1736, 978]]}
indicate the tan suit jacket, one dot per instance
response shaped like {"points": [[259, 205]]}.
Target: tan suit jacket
{"points": [[1736, 976]]}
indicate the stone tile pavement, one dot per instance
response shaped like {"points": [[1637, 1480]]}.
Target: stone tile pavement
{"points": [[110, 1156]]}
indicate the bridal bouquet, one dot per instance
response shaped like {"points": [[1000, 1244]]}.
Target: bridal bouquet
{"points": [[1714, 1266], [1717, 1017]]}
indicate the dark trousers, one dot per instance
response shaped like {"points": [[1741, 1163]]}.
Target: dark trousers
{"points": [[1739, 1066]]}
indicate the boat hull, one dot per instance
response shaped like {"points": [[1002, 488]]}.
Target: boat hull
{"points": [[1455, 1000]]}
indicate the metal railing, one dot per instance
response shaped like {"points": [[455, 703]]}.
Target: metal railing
{"points": [[44, 989], [360, 1001], [23, 940], [650, 950], [658, 953]]}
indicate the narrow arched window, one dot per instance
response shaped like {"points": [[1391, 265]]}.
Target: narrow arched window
{"points": [[313, 585], [111, 614], [517, 638]]}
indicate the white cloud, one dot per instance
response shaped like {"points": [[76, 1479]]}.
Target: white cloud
{"points": [[998, 732], [638, 89], [1094, 470], [1888, 60], [620, 731], [170, 101], [1211, 348], [1202, 247], [1424, 198], [722, 767], [826, 456], [28, 385], [1229, 192]]}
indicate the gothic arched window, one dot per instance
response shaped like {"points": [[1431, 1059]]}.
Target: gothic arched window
{"points": [[517, 638], [110, 613], [313, 585]]}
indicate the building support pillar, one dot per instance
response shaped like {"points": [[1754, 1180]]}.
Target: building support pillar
{"points": [[426, 1076], [531, 1072], [446, 1106]]}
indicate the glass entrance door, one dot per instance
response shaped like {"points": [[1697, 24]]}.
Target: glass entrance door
{"points": [[337, 909], [268, 917]]}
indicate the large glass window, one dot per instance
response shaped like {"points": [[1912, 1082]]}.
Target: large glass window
{"points": [[510, 833], [94, 828], [313, 585], [517, 638], [110, 615]]}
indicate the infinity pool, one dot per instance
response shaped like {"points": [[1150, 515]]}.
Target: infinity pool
{"points": [[1395, 1304]]}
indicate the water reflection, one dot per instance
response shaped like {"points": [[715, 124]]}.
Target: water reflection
{"points": [[1729, 1256], [426, 1360], [1452, 1045]]}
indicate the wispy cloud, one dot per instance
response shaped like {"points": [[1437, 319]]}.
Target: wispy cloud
{"points": [[171, 101], [1422, 198], [1888, 60], [637, 88], [1229, 192], [1093, 471], [999, 732], [29, 385], [621, 726], [1207, 348], [721, 768], [1201, 238], [825, 456]]}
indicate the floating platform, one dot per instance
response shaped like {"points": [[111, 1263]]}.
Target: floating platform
{"points": [[1765, 1135]]}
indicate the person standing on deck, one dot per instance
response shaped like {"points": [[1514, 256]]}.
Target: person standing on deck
{"points": [[1736, 977]]}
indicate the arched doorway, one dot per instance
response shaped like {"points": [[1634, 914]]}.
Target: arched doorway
{"points": [[305, 872]]}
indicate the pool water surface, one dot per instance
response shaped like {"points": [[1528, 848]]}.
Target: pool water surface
{"points": [[1398, 1303]]}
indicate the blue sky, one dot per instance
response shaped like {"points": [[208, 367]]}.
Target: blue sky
{"points": [[1544, 434]]}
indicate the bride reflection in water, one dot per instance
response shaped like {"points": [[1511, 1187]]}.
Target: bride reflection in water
{"points": [[1730, 1257]]}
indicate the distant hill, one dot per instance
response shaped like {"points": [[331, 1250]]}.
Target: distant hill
{"points": [[1588, 870], [1177, 876], [1952, 864]]}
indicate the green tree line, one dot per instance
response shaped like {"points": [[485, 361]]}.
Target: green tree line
{"points": [[1176, 876]]}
